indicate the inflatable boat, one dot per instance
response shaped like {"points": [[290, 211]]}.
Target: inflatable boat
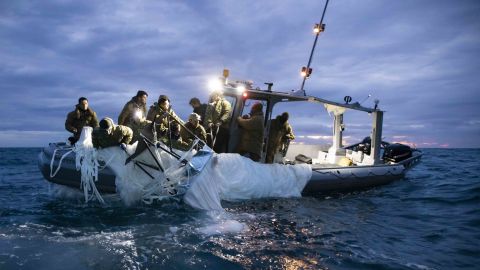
{"points": [[335, 167]]}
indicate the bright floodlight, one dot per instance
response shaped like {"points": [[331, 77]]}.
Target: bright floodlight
{"points": [[240, 88], [215, 85]]}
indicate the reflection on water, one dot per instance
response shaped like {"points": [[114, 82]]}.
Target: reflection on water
{"points": [[427, 221]]}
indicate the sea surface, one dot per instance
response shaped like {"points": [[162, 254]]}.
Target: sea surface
{"points": [[428, 220]]}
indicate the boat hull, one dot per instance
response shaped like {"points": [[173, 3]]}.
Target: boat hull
{"points": [[357, 177], [323, 180], [68, 175]]}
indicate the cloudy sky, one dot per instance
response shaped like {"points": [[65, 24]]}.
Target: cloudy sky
{"points": [[421, 59]]}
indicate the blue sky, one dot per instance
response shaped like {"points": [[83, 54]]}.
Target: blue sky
{"points": [[419, 58]]}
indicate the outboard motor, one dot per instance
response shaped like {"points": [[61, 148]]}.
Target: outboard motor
{"points": [[397, 152]]}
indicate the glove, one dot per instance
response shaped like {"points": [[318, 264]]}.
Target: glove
{"points": [[218, 124], [210, 125]]}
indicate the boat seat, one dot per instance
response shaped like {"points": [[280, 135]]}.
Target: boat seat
{"points": [[356, 156]]}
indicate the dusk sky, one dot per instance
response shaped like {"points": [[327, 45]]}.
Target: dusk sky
{"points": [[421, 59]]}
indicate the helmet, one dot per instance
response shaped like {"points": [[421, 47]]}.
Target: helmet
{"points": [[163, 98], [106, 123], [194, 116]]}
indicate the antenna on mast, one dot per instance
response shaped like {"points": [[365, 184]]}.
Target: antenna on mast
{"points": [[319, 27]]}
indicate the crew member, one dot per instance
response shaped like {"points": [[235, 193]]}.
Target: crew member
{"points": [[251, 139], [134, 114], [198, 108], [80, 117], [108, 134], [217, 122], [162, 114], [194, 129], [280, 135]]}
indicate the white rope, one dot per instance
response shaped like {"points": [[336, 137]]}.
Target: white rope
{"points": [[52, 174], [86, 161]]}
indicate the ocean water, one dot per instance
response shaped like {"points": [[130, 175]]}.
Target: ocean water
{"points": [[428, 220]]}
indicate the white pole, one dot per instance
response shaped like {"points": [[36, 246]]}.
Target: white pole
{"points": [[376, 136]]}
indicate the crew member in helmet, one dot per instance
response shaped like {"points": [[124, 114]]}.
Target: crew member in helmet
{"points": [[251, 139], [216, 122], [194, 129], [134, 114], [108, 134], [81, 117], [162, 114]]}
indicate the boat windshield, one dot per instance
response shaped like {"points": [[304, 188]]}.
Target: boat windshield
{"points": [[233, 102]]}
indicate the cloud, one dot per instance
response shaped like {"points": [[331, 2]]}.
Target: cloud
{"points": [[420, 59]]}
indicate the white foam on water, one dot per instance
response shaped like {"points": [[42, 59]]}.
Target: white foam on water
{"points": [[173, 229], [60, 191], [229, 226], [221, 223]]}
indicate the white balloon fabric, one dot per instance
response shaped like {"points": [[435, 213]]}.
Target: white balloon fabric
{"points": [[229, 177], [232, 177]]}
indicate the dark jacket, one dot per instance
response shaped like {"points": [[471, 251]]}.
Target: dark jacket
{"points": [[78, 118], [201, 110], [251, 140]]}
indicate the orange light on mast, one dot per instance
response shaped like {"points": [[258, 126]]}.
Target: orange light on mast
{"points": [[306, 72], [318, 28]]}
